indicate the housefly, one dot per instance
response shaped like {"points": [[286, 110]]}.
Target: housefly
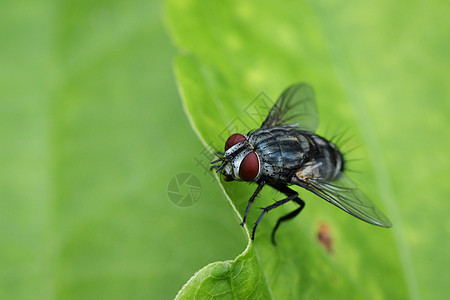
{"points": [[285, 151]]}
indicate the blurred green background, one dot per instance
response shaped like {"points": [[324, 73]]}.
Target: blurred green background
{"points": [[92, 131]]}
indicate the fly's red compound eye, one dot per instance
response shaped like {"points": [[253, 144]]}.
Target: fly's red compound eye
{"points": [[249, 167], [233, 140]]}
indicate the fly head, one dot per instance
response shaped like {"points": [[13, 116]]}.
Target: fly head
{"points": [[239, 162]]}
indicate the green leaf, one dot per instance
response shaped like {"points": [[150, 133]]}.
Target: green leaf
{"points": [[238, 279], [377, 69]]}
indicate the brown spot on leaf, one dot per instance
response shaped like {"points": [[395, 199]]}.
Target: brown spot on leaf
{"points": [[324, 237]]}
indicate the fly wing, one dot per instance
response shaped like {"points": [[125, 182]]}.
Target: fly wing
{"points": [[345, 194], [295, 107]]}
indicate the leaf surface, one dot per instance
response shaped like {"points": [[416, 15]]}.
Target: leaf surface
{"points": [[372, 65]]}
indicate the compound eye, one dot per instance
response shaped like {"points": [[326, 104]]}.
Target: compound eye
{"points": [[249, 167], [233, 140]]}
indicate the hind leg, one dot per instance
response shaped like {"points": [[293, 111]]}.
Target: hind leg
{"points": [[269, 208], [287, 217]]}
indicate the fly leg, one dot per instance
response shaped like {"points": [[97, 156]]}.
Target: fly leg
{"points": [[220, 159], [213, 167], [289, 216], [290, 193], [250, 201], [275, 205]]}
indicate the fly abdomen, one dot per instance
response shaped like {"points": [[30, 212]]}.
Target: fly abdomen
{"points": [[326, 159]]}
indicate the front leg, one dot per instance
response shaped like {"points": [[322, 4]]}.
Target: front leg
{"points": [[252, 198]]}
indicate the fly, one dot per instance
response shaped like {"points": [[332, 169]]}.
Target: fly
{"points": [[285, 151]]}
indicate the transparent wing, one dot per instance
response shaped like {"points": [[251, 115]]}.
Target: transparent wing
{"points": [[295, 107], [345, 194]]}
